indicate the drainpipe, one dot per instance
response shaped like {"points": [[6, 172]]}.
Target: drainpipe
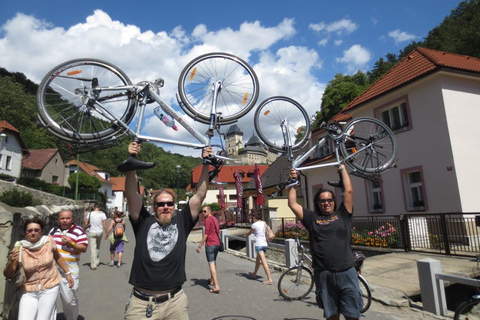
{"points": [[306, 190]]}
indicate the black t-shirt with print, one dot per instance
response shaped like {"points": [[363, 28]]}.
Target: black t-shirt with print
{"points": [[330, 239], [159, 259]]}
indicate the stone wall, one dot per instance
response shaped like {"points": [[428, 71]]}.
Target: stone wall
{"points": [[11, 230]]}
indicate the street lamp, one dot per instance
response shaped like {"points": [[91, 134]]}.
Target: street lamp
{"points": [[178, 167]]}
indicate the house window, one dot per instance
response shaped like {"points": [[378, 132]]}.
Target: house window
{"points": [[324, 150], [1, 161], [375, 196], [54, 179], [396, 117], [8, 165], [414, 191], [232, 196]]}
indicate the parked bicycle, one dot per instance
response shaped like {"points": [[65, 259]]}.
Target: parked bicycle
{"points": [[470, 309], [365, 144], [297, 282], [90, 103]]}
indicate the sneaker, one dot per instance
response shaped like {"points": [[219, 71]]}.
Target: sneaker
{"points": [[111, 264], [119, 265]]}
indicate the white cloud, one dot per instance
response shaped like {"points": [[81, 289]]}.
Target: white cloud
{"points": [[401, 36], [323, 42], [355, 58], [338, 42], [339, 27]]}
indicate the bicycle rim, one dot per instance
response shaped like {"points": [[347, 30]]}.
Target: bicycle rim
{"points": [[73, 111], [468, 310], [366, 293], [271, 114], [369, 146], [238, 90], [295, 283]]}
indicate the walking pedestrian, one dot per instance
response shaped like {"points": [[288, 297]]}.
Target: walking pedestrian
{"points": [[97, 224], [158, 269], [212, 245], [330, 243], [259, 229], [71, 241], [36, 255], [117, 238]]}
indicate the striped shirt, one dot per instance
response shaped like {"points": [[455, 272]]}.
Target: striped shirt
{"points": [[71, 257]]}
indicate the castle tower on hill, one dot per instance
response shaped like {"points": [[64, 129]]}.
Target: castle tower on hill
{"points": [[254, 151]]}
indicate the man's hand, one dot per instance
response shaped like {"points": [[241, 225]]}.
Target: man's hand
{"points": [[134, 148], [341, 167], [293, 174], [206, 152]]}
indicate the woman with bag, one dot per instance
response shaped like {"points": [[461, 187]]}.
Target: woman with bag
{"points": [[212, 246], [37, 255], [259, 229]]}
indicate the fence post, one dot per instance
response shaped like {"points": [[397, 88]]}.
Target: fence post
{"points": [[224, 238], [291, 253], [432, 291], [251, 246], [443, 224]]}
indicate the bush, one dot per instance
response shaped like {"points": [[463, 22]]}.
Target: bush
{"points": [[20, 199]]}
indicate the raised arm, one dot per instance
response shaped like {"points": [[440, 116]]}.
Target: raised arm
{"points": [[347, 188], [196, 201], [296, 208], [134, 199]]}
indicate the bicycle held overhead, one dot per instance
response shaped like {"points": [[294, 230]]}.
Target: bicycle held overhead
{"points": [[90, 103]]}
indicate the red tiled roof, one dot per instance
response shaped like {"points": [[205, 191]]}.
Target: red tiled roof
{"points": [[419, 63], [118, 183], [5, 125], [226, 173], [39, 158], [89, 169]]}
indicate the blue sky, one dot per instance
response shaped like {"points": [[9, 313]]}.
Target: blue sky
{"points": [[295, 47]]}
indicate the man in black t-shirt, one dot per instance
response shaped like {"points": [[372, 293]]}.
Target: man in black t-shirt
{"points": [[158, 269], [330, 243]]}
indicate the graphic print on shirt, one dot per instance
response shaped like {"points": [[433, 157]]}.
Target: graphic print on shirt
{"points": [[328, 221], [161, 240]]}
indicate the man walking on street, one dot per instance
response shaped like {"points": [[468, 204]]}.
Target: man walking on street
{"points": [[97, 221], [158, 269], [71, 241], [330, 233]]}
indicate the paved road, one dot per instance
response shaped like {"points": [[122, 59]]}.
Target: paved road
{"points": [[103, 293]]}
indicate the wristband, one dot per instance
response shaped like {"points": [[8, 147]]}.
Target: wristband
{"points": [[72, 243], [67, 273]]}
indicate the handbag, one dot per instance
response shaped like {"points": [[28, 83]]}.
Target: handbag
{"points": [[222, 247], [20, 277], [269, 233]]}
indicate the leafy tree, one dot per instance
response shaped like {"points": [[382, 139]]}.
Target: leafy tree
{"points": [[19, 199], [86, 183]]}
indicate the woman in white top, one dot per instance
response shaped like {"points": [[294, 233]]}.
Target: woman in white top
{"points": [[259, 228]]}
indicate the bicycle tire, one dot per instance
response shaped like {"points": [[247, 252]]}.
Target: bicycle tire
{"points": [[237, 96], [371, 145], [268, 119], [366, 293], [71, 110], [295, 283], [468, 310]]}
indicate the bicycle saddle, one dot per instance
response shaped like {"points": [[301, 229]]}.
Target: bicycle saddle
{"points": [[132, 164], [336, 183]]}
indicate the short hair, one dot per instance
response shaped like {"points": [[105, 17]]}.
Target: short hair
{"points": [[118, 214], [156, 194], [36, 220], [317, 198], [98, 205]]}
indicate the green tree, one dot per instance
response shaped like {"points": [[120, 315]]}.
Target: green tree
{"points": [[86, 183]]}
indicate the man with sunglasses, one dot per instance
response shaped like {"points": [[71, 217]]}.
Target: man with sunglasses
{"points": [[158, 269], [330, 243]]}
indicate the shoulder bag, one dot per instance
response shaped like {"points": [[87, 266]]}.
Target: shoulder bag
{"points": [[269, 233]]}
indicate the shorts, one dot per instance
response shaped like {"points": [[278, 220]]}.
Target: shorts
{"points": [[261, 248], [117, 246], [211, 252], [338, 292]]}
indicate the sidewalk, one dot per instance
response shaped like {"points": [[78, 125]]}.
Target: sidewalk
{"points": [[103, 293]]}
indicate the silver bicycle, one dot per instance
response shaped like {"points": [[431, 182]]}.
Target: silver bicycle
{"points": [[90, 103], [297, 282]]}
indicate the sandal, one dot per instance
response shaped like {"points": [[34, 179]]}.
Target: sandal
{"points": [[217, 291]]}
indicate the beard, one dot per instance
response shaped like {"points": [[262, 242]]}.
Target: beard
{"points": [[164, 219]]}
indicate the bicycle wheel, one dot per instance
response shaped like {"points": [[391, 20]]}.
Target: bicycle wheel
{"points": [[238, 87], [366, 293], [368, 145], [468, 310], [272, 113], [75, 105], [295, 283]]}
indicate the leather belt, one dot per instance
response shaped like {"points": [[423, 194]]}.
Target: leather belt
{"points": [[157, 299]]}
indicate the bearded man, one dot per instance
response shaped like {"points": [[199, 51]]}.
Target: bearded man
{"points": [[158, 269]]}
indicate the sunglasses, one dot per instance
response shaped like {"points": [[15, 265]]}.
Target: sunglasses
{"points": [[162, 204], [326, 200], [204, 211], [33, 230]]}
